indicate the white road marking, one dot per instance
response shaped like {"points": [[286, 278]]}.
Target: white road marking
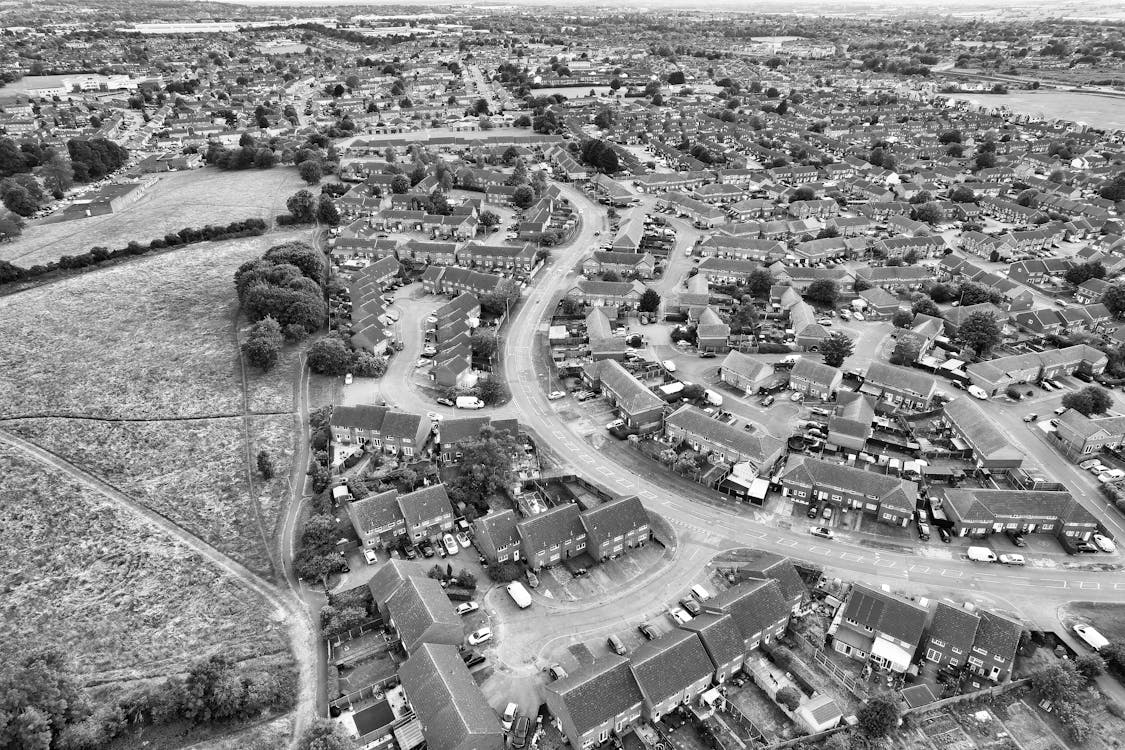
{"points": [[920, 568], [885, 563], [1089, 585], [951, 573], [851, 556]]}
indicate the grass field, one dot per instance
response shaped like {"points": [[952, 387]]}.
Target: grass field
{"points": [[1108, 618], [148, 339], [124, 602], [178, 199]]}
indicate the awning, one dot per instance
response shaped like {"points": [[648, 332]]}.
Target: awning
{"points": [[870, 389], [898, 657]]}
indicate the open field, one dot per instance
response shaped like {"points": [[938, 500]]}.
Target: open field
{"points": [[148, 339], [124, 602], [190, 471], [178, 199], [1092, 109], [1107, 618]]}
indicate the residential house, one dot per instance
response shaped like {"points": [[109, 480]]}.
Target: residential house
{"points": [[1083, 436], [712, 332], [815, 379], [420, 612], [379, 427], [615, 526], [597, 700], [759, 609], [448, 702], [878, 628], [670, 671], [377, 519], [899, 386], [850, 425], [552, 536], [978, 512], [427, 511], [721, 442], [641, 409], [991, 448], [744, 372], [810, 480], [607, 293], [497, 537], [722, 641]]}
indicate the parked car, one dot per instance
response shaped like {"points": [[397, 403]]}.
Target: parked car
{"points": [[522, 731], [557, 672], [944, 534], [692, 606], [1016, 538], [465, 608], [648, 631], [615, 424], [370, 556], [1103, 542], [821, 531], [348, 379], [463, 540], [445, 401], [797, 396], [480, 635], [427, 549], [508, 718], [814, 510], [1012, 559], [616, 645], [1031, 417], [472, 658], [707, 355], [450, 544], [679, 615], [767, 401], [556, 395], [826, 514], [585, 395], [410, 552]]}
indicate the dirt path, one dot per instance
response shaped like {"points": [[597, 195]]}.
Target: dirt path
{"points": [[295, 615]]}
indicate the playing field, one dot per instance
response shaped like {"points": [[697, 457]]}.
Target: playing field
{"points": [[178, 199]]}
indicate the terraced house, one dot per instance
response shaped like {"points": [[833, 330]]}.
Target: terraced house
{"points": [[597, 701], [899, 386], [380, 427], [809, 481], [978, 512], [983, 643], [670, 671], [722, 443], [616, 526], [552, 536], [641, 409], [879, 628]]}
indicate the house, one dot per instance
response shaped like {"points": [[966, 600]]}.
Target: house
{"points": [[767, 567], [597, 700], [641, 409], [625, 264], [744, 372], [881, 304], [379, 427], [982, 643], [810, 480], [878, 628], [604, 342], [899, 386], [447, 701], [950, 637], [453, 433], [721, 442], [722, 641], [815, 379], [615, 526], [552, 536], [377, 519], [388, 578], [995, 375], [850, 425], [759, 611], [607, 293], [670, 671], [427, 512], [979, 512], [497, 537], [994, 649], [1082, 436], [712, 332], [991, 448], [420, 612]]}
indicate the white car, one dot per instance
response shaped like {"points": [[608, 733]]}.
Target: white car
{"points": [[348, 379], [464, 540], [1103, 542], [858, 316], [450, 544], [679, 615], [556, 395], [509, 716], [977, 392], [480, 636], [1012, 559], [423, 363], [821, 531], [615, 424], [465, 608], [370, 556], [669, 365], [824, 321]]}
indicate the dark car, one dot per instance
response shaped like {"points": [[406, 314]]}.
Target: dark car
{"points": [[616, 646], [767, 401], [944, 534], [814, 510], [648, 631], [445, 402], [410, 552], [692, 606], [1017, 538], [707, 355], [521, 730], [472, 658], [427, 549]]}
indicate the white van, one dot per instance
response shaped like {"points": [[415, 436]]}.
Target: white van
{"points": [[469, 402], [700, 593], [981, 554], [1091, 637]]}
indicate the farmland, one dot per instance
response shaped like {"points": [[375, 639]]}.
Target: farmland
{"points": [[124, 602], [178, 199]]}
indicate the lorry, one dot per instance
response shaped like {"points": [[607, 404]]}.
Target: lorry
{"points": [[469, 402], [713, 398], [981, 554], [519, 594]]}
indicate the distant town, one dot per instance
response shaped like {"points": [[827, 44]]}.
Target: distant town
{"points": [[487, 377]]}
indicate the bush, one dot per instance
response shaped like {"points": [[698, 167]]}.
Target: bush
{"points": [[329, 357], [772, 348], [505, 572]]}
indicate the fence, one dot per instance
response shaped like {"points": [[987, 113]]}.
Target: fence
{"points": [[834, 671], [969, 697], [375, 689]]}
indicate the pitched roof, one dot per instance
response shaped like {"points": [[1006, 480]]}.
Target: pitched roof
{"points": [[883, 613], [447, 701], [375, 511], [544, 529], [596, 693], [615, 518], [954, 626], [813, 472], [980, 429], [417, 605], [759, 446], [815, 372], [631, 393], [667, 665], [720, 636], [999, 636], [746, 366], [900, 378], [425, 504], [500, 527], [754, 605]]}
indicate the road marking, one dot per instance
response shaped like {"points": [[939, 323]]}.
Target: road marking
{"points": [[1089, 585], [951, 573], [786, 542], [648, 494], [587, 458], [1053, 583], [624, 482], [850, 556], [885, 563], [820, 550], [920, 568], [604, 471]]}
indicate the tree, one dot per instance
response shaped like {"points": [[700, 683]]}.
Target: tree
{"points": [[265, 464], [931, 213], [985, 160], [485, 467], [836, 347], [523, 196], [491, 391], [488, 218], [860, 285], [1059, 683], [962, 194], [1089, 666], [604, 118], [789, 697], [650, 301], [676, 78], [902, 318], [400, 183], [823, 292], [519, 174], [325, 734], [1083, 272], [1114, 299], [57, 174], [38, 699], [942, 293], [974, 294], [302, 206], [329, 357], [368, 365], [483, 344], [264, 344], [878, 716], [1089, 400], [906, 351], [979, 331], [310, 171], [18, 199], [326, 211], [759, 283]]}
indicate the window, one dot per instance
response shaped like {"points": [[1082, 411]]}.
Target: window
{"points": [[933, 655]]}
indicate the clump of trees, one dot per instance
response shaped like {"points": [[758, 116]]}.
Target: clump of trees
{"points": [[287, 285], [92, 159], [42, 705], [599, 155], [1089, 400], [249, 154], [305, 208], [334, 356], [484, 470]]}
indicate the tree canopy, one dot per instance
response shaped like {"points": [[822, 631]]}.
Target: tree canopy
{"points": [[1090, 400]]}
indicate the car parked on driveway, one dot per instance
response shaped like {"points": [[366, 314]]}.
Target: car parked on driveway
{"points": [[522, 730], [648, 631], [465, 608], [1103, 542], [450, 544], [555, 395], [508, 718], [1016, 538], [480, 635]]}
